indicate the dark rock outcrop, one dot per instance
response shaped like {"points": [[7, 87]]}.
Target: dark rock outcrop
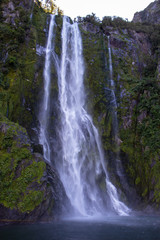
{"points": [[150, 15], [30, 188], [54, 205]]}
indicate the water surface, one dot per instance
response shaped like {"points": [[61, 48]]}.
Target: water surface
{"points": [[112, 228]]}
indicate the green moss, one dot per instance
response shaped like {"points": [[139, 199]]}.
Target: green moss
{"points": [[140, 139], [138, 103], [18, 64], [31, 200], [19, 171], [59, 22]]}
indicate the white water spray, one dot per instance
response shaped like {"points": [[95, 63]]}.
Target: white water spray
{"points": [[44, 113]]}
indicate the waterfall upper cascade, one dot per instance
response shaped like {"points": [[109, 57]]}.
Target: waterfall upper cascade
{"points": [[44, 110], [82, 161]]}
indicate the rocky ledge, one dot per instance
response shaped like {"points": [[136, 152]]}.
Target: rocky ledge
{"points": [[30, 187]]}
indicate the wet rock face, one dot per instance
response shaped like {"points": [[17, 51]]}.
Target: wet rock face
{"points": [[54, 205], [136, 68], [58, 197], [30, 187], [151, 14]]}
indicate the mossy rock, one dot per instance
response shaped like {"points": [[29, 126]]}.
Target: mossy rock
{"points": [[18, 169], [30, 188]]}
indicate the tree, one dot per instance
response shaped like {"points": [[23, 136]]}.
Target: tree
{"points": [[50, 6]]}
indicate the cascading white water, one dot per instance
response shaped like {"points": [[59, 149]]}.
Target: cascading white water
{"points": [[44, 110], [77, 134], [82, 155]]}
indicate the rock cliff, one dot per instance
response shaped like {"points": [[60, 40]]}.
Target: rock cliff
{"points": [[135, 72], [30, 187], [150, 14]]}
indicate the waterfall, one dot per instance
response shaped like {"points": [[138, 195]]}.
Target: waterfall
{"points": [[111, 89], [32, 8], [82, 160], [80, 157], [77, 170], [113, 106], [44, 110]]}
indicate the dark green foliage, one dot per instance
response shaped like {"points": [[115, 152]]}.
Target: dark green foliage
{"points": [[150, 68], [92, 19], [115, 22], [20, 173], [137, 92], [141, 140], [148, 101], [18, 63], [155, 38]]}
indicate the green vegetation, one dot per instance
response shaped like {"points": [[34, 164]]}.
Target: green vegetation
{"points": [[49, 6], [19, 171], [135, 54], [137, 91], [22, 43], [20, 71], [153, 31], [141, 140]]}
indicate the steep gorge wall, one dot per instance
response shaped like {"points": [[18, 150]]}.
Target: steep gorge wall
{"points": [[135, 72]]}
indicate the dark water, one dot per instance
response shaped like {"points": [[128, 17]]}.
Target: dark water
{"points": [[113, 228]]}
